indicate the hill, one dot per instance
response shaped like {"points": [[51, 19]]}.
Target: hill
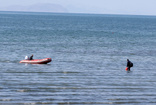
{"points": [[37, 8]]}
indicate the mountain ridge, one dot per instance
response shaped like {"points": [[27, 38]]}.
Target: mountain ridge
{"points": [[44, 7]]}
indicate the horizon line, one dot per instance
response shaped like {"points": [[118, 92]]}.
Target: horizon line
{"points": [[77, 13]]}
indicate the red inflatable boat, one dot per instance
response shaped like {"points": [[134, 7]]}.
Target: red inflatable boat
{"points": [[37, 61]]}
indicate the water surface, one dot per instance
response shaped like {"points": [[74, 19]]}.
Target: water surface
{"points": [[89, 54]]}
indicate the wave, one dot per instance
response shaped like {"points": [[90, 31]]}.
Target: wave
{"points": [[9, 61]]}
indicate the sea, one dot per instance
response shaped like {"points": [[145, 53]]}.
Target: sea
{"points": [[89, 55]]}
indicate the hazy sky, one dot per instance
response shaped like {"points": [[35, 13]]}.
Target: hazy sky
{"points": [[136, 7]]}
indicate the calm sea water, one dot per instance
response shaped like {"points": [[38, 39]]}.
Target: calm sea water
{"points": [[89, 54]]}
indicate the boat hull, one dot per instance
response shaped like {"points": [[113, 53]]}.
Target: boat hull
{"points": [[36, 61]]}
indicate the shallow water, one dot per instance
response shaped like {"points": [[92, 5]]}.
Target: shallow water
{"points": [[89, 54]]}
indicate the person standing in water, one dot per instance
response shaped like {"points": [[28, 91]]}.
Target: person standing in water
{"points": [[129, 64]]}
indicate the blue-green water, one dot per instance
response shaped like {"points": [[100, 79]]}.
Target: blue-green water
{"points": [[89, 54]]}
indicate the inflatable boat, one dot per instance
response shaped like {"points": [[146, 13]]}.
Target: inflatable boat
{"points": [[37, 61]]}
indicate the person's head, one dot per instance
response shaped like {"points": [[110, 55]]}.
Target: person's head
{"points": [[32, 55], [127, 60]]}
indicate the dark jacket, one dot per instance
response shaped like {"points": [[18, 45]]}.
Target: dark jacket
{"points": [[31, 57], [129, 63]]}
